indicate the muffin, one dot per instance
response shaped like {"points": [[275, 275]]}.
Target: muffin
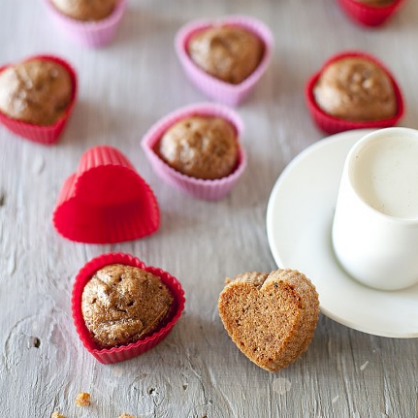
{"points": [[85, 10], [376, 3], [229, 53], [271, 317], [203, 147], [37, 91], [356, 89], [123, 304]]}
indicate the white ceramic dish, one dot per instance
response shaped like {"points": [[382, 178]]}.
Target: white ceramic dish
{"points": [[299, 219]]}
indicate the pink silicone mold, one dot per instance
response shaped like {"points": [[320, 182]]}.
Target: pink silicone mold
{"points": [[230, 94], [124, 352], [90, 34], [367, 15], [105, 201], [43, 134], [198, 188], [331, 124]]}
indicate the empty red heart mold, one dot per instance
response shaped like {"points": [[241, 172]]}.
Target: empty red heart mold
{"points": [[43, 134], [124, 352], [105, 201]]}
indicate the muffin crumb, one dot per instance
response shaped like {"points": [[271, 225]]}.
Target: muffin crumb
{"points": [[126, 416], [83, 399], [56, 414]]}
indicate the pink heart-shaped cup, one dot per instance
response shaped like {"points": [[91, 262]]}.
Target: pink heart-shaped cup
{"points": [[331, 124], [198, 188], [105, 201], [90, 34], [124, 352], [43, 134], [231, 94], [367, 15]]}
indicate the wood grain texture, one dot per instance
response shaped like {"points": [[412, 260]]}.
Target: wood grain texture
{"points": [[196, 372]]}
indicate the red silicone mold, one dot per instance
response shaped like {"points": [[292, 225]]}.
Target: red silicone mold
{"points": [[231, 94], [105, 201], [331, 124], [125, 352], [198, 188], [367, 15], [49, 134]]}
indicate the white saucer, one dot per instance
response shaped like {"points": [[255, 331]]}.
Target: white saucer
{"points": [[299, 219]]}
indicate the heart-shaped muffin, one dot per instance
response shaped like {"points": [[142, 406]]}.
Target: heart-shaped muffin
{"points": [[105, 201], [208, 77], [122, 307], [271, 317]]}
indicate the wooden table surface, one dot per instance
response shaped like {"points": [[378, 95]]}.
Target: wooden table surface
{"points": [[197, 371]]}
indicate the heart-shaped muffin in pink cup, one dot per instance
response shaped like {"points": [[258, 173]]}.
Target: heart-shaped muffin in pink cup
{"points": [[205, 147], [211, 85], [90, 33], [122, 352], [41, 106], [105, 201]]}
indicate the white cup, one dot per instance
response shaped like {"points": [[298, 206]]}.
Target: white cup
{"points": [[375, 228]]}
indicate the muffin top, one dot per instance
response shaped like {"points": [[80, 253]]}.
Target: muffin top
{"points": [[204, 147], [229, 53], [356, 89], [376, 3], [85, 10], [37, 91], [122, 304]]}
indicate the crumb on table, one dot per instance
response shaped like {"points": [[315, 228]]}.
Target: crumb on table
{"points": [[126, 416], [83, 399], [56, 414]]}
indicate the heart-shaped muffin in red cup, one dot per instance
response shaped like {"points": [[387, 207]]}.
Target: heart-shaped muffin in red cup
{"points": [[105, 201], [369, 14], [333, 124], [43, 134], [124, 352]]}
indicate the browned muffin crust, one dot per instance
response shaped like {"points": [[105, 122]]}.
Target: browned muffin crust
{"points": [[271, 317], [229, 53], [37, 91], [376, 3], [203, 147], [122, 304], [86, 10], [356, 89]]}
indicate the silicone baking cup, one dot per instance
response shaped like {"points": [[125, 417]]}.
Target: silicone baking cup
{"points": [[105, 201], [331, 124], [124, 352], [91, 34], [43, 134], [231, 94], [198, 188], [367, 15]]}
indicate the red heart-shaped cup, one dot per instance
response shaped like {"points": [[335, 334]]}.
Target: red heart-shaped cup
{"points": [[367, 15], [105, 201], [331, 124], [43, 134], [124, 352], [231, 94]]}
